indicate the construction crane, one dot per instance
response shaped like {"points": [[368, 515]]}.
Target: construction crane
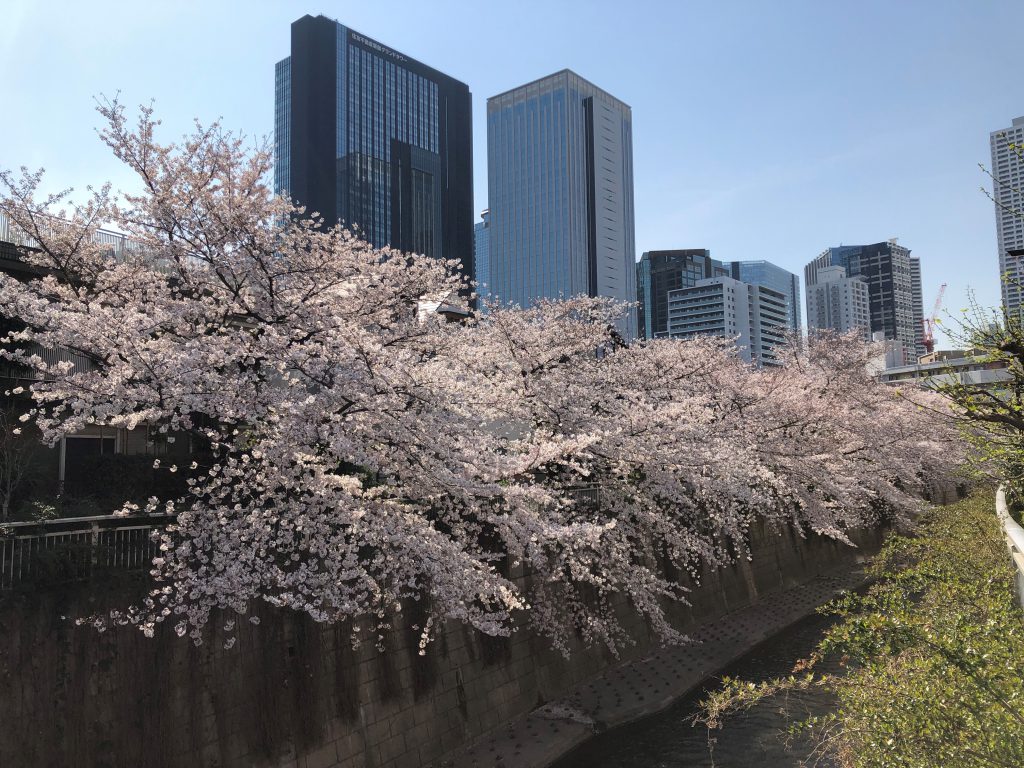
{"points": [[931, 320]]}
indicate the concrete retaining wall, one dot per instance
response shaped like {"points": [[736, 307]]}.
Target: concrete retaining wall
{"points": [[293, 693]]}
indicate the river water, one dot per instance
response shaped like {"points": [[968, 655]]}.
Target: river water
{"points": [[757, 738]]}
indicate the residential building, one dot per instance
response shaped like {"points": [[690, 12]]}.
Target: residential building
{"points": [[1008, 192], [765, 273], [482, 253], [839, 303], [69, 466], [894, 290], [756, 316], [660, 272], [372, 138], [560, 193]]}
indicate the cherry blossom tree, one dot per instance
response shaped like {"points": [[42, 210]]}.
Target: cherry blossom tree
{"points": [[352, 452]]}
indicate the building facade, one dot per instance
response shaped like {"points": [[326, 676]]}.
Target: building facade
{"points": [[1008, 192], [482, 254], [69, 466], [369, 137], [756, 316], [660, 272], [893, 278], [839, 303], [771, 276], [560, 193], [964, 367]]}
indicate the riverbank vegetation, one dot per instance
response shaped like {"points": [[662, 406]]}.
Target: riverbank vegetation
{"points": [[932, 656], [992, 417]]}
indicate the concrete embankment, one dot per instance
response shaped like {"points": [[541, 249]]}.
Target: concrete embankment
{"points": [[294, 694], [643, 687]]}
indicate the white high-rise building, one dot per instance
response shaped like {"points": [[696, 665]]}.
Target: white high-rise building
{"points": [[1008, 191], [755, 315], [838, 303]]}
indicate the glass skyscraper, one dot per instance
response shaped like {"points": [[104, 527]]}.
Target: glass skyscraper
{"points": [[560, 193], [369, 137], [767, 274]]}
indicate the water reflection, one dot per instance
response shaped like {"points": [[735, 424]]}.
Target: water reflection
{"points": [[756, 738]]}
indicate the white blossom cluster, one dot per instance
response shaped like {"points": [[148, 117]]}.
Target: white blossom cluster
{"points": [[350, 455]]}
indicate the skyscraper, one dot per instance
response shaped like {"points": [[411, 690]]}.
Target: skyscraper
{"points": [[658, 273], [894, 290], [560, 192], [482, 253], [367, 136], [754, 315], [1008, 191], [765, 273], [839, 303]]}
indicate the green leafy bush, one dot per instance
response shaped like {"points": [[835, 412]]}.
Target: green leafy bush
{"points": [[932, 655]]}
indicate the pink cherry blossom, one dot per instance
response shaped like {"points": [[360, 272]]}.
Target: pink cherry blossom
{"points": [[352, 451]]}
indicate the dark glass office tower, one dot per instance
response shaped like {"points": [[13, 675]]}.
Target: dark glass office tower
{"points": [[560, 192], [659, 272], [372, 138]]}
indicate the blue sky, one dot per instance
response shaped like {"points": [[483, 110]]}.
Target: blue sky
{"points": [[762, 129]]}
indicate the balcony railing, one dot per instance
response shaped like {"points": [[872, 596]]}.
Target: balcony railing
{"points": [[72, 549], [50, 356]]}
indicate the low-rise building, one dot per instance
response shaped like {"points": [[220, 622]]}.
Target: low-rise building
{"points": [[957, 366], [73, 469]]}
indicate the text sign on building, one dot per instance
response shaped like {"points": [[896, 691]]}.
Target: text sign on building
{"points": [[373, 45]]}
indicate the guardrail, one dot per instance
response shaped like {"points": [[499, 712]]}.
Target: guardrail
{"points": [[1014, 540], [71, 549]]}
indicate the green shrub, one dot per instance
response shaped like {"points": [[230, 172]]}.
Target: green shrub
{"points": [[933, 654]]}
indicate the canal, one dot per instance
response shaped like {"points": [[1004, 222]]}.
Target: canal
{"points": [[755, 738]]}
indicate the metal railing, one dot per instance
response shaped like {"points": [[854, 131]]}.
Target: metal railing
{"points": [[1014, 540], [119, 243], [50, 356], [72, 549], [587, 495]]}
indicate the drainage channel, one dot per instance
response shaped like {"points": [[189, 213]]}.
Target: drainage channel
{"points": [[758, 737]]}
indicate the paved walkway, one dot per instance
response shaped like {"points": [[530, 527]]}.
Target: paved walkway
{"points": [[640, 688]]}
